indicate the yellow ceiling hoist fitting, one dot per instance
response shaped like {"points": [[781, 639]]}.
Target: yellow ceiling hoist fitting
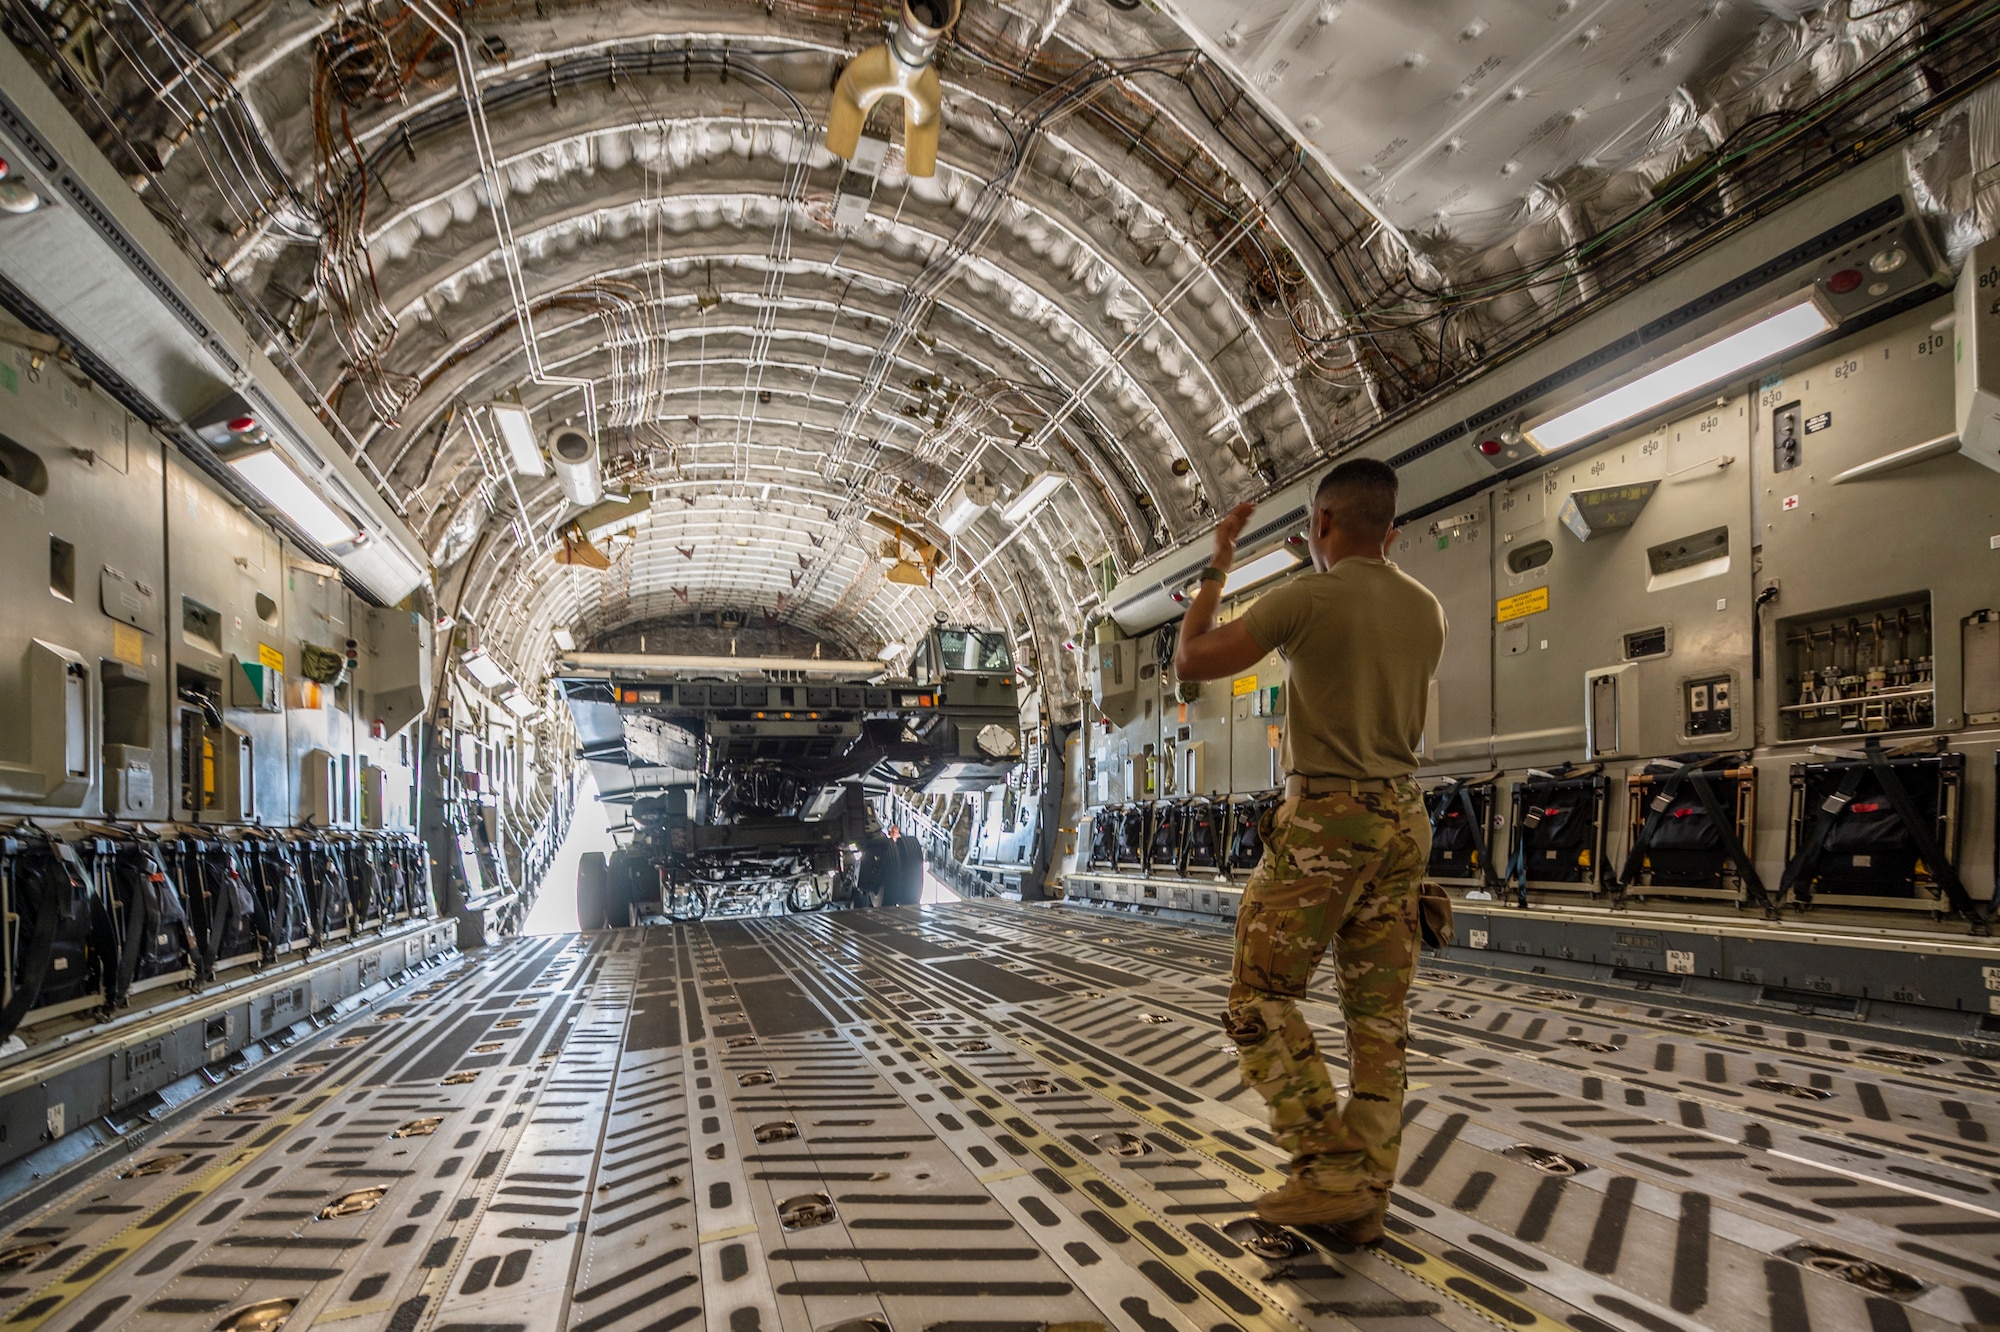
{"points": [[900, 67]]}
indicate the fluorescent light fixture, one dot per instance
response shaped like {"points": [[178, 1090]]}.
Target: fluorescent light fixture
{"points": [[565, 640], [380, 564], [628, 524], [1264, 567], [517, 703], [959, 512], [295, 497], [1031, 496], [484, 669], [1774, 334], [517, 429], [891, 651]]}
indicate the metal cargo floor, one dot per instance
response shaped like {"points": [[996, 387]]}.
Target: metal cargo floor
{"points": [[990, 1118]]}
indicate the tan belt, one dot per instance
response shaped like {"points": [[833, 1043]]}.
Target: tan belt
{"points": [[1297, 784]]}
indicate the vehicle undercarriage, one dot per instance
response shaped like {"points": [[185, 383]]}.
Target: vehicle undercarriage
{"points": [[760, 785]]}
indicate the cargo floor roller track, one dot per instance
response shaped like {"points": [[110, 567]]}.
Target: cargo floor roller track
{"points": [[990, 1118]]}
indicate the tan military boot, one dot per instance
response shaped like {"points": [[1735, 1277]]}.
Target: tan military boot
{"points": [[1356, 1213]]}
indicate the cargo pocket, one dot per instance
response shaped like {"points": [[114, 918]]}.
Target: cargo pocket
{"points": [[1278, 947]]}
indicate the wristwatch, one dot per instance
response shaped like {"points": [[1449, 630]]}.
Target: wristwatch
{"points": [[1211, 574]]}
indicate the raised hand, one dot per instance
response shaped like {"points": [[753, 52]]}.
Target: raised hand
{"points": [[1226, 533]]}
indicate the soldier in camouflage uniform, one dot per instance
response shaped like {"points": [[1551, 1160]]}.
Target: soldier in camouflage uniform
{"points": [[1339, 869], [1344, 855]]}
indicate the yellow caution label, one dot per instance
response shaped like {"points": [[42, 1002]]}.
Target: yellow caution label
{"points": [[730, 1232], [128, 645], [270, 657], [354, 1311], [1246, 685], [1521, 604]]}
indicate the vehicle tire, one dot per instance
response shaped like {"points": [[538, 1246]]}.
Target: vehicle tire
{"points": [[593, 890], [908, 877], [634, 886], [875, 873]]}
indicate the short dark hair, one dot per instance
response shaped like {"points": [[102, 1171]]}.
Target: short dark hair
{"points": [[1361, 496]]}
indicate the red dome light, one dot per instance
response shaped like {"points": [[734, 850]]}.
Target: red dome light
{"points": [[1846, 280], [242, 425], [1490, 447]]}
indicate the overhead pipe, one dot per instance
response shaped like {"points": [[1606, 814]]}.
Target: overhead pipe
{"points": [[900, 67]]}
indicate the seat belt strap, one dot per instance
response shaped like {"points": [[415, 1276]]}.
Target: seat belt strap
{"points": [[1517, 860], [223, 909], [1656, 815], [1732, 845], [1925, 837], [40, 950], [1462, 796], [138, 922], [1798, 878]]}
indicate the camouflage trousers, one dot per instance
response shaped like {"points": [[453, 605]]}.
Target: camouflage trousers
{"points": [[1342, 871]]}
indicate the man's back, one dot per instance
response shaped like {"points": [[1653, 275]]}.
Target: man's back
{"points": [[1343, 853], [1361, 641]]}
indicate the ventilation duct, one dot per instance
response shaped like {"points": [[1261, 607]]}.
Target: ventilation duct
{"points": [[576, 466], [900, 67]]}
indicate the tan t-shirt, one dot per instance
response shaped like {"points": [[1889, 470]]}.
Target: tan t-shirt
{"points": [[1361, 643]]}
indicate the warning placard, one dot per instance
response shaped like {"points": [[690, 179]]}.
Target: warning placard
{"points": [[1245, 685], [270, 656], [1521, 604]]}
